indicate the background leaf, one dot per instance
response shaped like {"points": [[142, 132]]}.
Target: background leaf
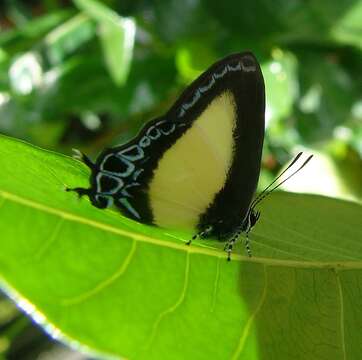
{"points": [[117, 36], [154, 294]]}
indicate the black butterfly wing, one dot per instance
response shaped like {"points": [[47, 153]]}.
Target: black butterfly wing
{"points": [[198, 164]]}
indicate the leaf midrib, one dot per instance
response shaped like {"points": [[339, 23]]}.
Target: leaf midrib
{"points": [[340, 265]]}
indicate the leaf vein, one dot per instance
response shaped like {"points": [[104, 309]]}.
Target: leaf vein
{"points": [[251, 319], [53, 236], [172, 308], [105, 283], [341, 265], [315, 249], [303, 236], [216, 284], [340, 293]]}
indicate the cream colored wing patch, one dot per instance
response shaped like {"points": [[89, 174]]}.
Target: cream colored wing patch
{"points": [[194, 169]]}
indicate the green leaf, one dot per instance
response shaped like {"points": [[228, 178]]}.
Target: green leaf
{"points": [[24, 36], [317, 22], [67, 37], [145, 88], [328, 90], [281, 84], [348, 29], [117, 35], [193, 22], [100, 281]]}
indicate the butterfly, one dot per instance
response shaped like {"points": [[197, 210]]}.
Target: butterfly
{"points": [[197, 166]]}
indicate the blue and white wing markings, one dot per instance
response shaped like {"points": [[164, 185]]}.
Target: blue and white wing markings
{"points": [[121, 180], [125, 177], [214, 77]]}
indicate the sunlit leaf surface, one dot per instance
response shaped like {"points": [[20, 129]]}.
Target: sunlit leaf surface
{"points": [[100, 281]]}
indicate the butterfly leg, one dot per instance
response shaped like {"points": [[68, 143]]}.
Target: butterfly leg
{"points": [[201, 234], [85, 159], [247, 244], [230, 244]]}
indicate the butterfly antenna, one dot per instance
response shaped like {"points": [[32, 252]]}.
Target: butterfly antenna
{"points": [[277, 178], [265, 192]]}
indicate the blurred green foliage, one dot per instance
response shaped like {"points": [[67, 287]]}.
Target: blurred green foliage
{"points": [[88, 74]]}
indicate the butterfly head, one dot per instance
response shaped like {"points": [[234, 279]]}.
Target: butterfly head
{"points": [[253, 215], [250, 220], [98, 199]]}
